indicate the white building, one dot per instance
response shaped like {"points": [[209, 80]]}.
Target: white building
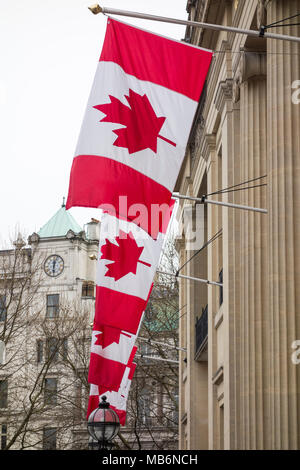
{"points": [[47, 297], [46, 311]]}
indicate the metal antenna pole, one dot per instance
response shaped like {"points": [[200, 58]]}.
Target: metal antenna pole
{"points": [[249, 32]]}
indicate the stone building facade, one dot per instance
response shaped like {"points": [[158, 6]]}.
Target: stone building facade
{"points": [[47, 307], [47, 300], [239, 385]]}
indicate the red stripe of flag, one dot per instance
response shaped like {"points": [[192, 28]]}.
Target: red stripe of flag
{"points": [[144, 65], [105, 372], [118, 310], [99, 181]]}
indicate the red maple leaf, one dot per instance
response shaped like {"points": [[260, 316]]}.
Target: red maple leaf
{"points": [[103, 390], [125, 255], [142, 124], [108, 336]]}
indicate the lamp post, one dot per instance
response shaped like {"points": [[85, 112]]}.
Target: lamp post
{"points": [[103, 425]]}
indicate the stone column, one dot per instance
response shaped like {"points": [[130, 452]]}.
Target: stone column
{"points": [[196, 381], [283, 166], [209, 154], [229, 329], [253, 352], [180, 246]]}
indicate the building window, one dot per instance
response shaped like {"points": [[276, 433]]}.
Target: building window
{"points": [[50, 392], [40, 350], [52, 305], [3, 393], [52, 349], [144, 406], [150, 313], [3, 436], [146, 350], [2, 308], [54, 346], [221, 287], [88, 289], [49, 438], [65, 349]]}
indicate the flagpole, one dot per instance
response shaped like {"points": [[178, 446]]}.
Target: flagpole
{"points": [[150, 341], [190, 278], [156, 358], [203, 200], [249, 32]]}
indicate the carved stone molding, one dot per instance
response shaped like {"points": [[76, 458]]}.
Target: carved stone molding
{"points": [[208, 145], [252, 64], [262, 13], [236, 88], [224, 93], [33, 238]]}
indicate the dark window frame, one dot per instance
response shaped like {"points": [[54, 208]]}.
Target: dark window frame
{"points": [[3, 393], [52, 348], [221, 287], [49, 438], [52, 305], [40, 350], [88, 289], [50, 391], [3, 309], [3, 436]]}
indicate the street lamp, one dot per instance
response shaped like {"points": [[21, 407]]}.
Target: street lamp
{"points": [[103, 425]]}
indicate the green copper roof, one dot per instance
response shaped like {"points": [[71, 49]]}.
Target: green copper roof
{"points": [[59, 225]]}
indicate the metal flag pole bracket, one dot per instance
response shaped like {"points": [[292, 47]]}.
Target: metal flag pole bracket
{"points": [[204, 200], [95, 9], [150, 341], [190, 278], [155, 358]]}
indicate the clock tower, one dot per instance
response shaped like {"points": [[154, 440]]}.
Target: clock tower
{"points": [[66, 252]]}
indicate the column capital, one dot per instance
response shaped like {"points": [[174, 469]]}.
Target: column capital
{"points": [[252, 65]]}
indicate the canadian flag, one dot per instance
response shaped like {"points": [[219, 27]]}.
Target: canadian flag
{"points": [[129, 153], [117, 400], [111, 351], [127, 261], [137, 122]]}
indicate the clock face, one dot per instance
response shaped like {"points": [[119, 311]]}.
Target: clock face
{"points": [[54, 265]]}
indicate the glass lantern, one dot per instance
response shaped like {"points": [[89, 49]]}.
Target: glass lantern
{"points": [[103, 425]]}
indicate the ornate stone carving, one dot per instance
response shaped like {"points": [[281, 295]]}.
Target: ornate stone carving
{"points": [[236, 88], [252, 64], [197, 138], [224, 93], [262, 13], [34, 238], [208, 145]]}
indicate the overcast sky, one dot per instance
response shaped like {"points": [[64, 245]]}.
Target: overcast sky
{"points": [[49, 51]]}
